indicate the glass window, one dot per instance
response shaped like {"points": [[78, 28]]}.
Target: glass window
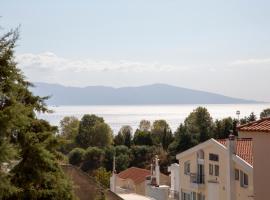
{"points": [[216, 170], [243, 179], [211, 169], [187, 167], [213, 157], [236, 174]]}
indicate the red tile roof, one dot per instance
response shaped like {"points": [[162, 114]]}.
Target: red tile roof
{"points": [[243, 149], [136, 174], [262, 125]]}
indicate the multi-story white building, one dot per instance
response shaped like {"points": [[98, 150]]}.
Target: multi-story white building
{"points": [[217, 170]]}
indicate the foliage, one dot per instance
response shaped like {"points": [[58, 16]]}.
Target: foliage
{"points": [[142, 138], [199, 123], [69, 127], [37, 174], [124, 136], [93, 158], [145, 125], [265, 113], [93, 131], [102, 176], [161, 133], [223, 128], [142, 156], [76, 156]]}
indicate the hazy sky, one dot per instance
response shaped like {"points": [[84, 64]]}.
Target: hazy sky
{"points": [[213, 45]]}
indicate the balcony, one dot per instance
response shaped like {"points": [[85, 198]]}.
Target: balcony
{"points": [[196, 179]]}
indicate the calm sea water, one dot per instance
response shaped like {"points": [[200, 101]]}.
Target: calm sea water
{"points": [[117, 116]]}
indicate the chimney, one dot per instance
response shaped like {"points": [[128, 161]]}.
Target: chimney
{"points": [[231, 151], [231, 144], [157, 171]]}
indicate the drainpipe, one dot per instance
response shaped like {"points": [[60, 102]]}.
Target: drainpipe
{"points": [[231, 151]]}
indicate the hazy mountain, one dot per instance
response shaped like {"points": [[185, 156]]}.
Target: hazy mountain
{"points": [[148, 94]]}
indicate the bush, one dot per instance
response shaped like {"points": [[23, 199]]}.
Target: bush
{"points": [[76, 156], [93, 158]]}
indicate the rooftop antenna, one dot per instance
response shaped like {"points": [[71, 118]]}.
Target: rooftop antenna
{"points": [[238, 114]]}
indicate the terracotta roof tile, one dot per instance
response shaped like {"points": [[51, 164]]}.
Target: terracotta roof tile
{"points": [[262, 125], [136, 174], [243, 149]]}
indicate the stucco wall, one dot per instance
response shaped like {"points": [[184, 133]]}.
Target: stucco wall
{"points": [[240, 193], [261, 163]]}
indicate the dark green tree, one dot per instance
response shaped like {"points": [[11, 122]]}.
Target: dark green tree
{"points": [[76, 156], [199, 123], [124, 136], [93, 159], [222, 128], [142, 138], [161, 133], [265, 113], [36, 174], [93, 131]]}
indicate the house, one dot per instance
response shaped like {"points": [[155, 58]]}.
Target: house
{"points": [[259, 131], [217, 170], [140, 181]]}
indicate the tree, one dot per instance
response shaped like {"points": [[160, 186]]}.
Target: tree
{"points": [[122, 157], [93, 131], [145, 125], [223, 128], [93, 159], [20, 131], [124, 136], [182, 142], [265, 113], [69, 127], [142, 156], [76, 156], [161, 133], [102, 176], [142, 138], [199, 123], [252, 117]]}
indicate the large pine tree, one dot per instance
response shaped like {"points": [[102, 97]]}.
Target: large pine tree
{"points": [[27, 144]]}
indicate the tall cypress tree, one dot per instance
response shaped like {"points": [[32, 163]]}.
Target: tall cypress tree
{"points": [[25, 141]]}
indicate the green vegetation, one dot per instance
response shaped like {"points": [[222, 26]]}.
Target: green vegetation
{"points": [[94, 154], [28, 146]]}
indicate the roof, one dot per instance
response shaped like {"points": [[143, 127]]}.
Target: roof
{"points": [[136, 174], [262, 125], [243, 149]]}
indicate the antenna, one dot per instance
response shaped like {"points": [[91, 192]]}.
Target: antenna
{"points": [[238, 114]]}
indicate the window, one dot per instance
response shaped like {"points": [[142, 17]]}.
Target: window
{"points": [[187, 167], [193, 196], [186, 196], [213, 157], [236, 174], [216, 170], [211, 169], [243, 179]]}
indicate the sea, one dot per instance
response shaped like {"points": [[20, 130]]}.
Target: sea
{"points": [[118, 115]]}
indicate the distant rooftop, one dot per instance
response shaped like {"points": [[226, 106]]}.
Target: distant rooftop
{"points": [[262, 125], [136, 174]]}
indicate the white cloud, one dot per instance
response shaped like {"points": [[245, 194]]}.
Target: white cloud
{"points": [[263, 61], [48, 61]]}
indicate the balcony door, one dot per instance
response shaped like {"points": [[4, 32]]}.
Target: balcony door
{"points": [[213, 191], [200, 173]]}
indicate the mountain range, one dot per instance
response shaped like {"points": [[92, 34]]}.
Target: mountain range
{"points": [[141, 95]]}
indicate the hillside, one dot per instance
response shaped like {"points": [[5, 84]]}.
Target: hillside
{"points": [[142, 95]]}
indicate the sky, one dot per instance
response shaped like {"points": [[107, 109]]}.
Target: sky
{"points": [[220, 46]]}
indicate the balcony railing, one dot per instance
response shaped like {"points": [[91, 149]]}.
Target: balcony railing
{"points": [[196, 178]]}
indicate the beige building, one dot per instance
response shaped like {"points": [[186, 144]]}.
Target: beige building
{"points": [[217, 170], [259, 131]]}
